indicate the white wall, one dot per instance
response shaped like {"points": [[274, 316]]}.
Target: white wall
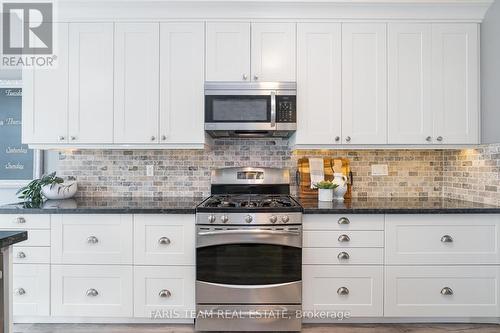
{"points": [[490, 75]]}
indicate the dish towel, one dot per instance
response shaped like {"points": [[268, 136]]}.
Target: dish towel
{"points": [[316, 169]]}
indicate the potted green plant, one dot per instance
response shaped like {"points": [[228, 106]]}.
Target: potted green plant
{"points": [[49, 186], [325, 190]]}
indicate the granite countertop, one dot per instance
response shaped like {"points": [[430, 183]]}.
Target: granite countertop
{"points": [[396, 206], [109, 205], [10, 237]]}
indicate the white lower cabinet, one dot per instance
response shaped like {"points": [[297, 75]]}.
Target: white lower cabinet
{"points": [[31, 287], [169, 289], [31, 255], [92, 291], [450, 291], [343, 256], [354, 289]]}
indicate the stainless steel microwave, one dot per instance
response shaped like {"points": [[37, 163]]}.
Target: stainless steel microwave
{"points": [[265, 109]]}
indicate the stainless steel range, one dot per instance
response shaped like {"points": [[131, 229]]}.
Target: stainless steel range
{"points": [[249, 253]]}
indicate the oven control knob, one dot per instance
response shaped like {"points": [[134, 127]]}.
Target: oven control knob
{"points": [[273, 219], [224, 218], [248, 219], [285, 218], [211, 218]]}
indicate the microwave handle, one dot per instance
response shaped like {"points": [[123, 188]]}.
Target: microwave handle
{"points": [[273, 108]]}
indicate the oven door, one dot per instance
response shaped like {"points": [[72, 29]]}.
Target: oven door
{"points": [[242, 265]]}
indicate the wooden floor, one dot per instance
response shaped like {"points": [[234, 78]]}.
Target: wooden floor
{"points": [[341, 328]]}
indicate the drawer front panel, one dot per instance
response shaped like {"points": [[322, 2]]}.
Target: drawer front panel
{"points": [[92, 239], [164, 289], [164, 239], [343, 256], [24, 221], [452, 291], [442, 239], [343, 222], [36, 238], [31, 255], [343, 238], [95, 291], [355, 289], [31, 287]]}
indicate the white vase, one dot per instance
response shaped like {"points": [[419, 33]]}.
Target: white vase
{"points": [[341, 189], [325, 194], [59, 191]]}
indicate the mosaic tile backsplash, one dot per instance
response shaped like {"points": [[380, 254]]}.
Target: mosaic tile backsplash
{"points": [[412, 173]]}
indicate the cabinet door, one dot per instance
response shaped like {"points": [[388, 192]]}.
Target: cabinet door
{"points": [[228, 51], [181, 83], [455, 63], [91, 82], [31, 288], [45, 96], [136, 82], [319, 83], [273, 51], [364, 86], [409, 104]]}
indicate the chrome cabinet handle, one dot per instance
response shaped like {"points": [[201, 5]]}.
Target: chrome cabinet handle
{"points": [[153, 138], [21, 255], [337, 138], [348, 139], [164, 241], [343, 220], [447, 239], [92, 292], [245, 77], [344, 238], [255, 77], [73, 138], [61, 138], [343, 256], [343, 291], [163, 137], [439, 138], [428, 139], [446, 291], [20, 220], [92, 240], [20, 291], [165, 293]]}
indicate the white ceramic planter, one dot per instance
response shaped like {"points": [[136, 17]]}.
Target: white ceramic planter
{"points": [[59, 191], [325, 194]]}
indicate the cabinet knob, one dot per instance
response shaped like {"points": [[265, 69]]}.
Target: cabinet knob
{"points": [[92, 240], [61, 138], [163, 137], [447, 239], [245, 77], [337, 138], [343, 291], [255, 77], [20, 220], [343, 220], [92, 292], [73, 138], [344, 238], [20, 291], [164, 241], [439, 138], [165, 293], [21, 255], [343, 256], [428, 139], [348, 139], [447, 291], [153, 138]]}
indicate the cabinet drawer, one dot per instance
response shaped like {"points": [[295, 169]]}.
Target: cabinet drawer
{"points": [[164, 239], [31, 255], [421, 291], [37, 238], [95, 291], [343, 222], [355, 289], [343, 238], [442, 239], [31, 286], [24, 221], [92, 239], [343, 256], [164, 289]]}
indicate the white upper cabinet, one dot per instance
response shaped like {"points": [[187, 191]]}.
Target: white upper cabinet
{"points": [[45, 96], [273, 51], [181, 83], [319, 83], [409, 67], [228, 51], [364, 83], [91, 83], [136, 83], [455, 85]]}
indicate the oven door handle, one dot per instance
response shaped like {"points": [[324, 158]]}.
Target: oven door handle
{"points": [[224, 237], [249, 232]]}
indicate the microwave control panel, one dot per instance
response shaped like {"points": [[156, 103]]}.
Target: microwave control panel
{"points": [[286, 109]]}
